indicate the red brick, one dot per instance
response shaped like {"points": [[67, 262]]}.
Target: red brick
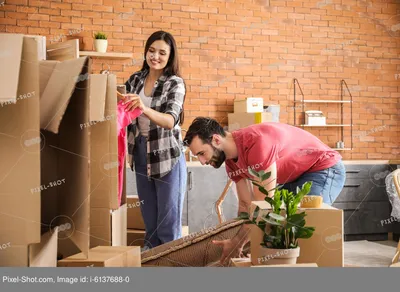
{"points": [[64, 19], [63, 6], [50, 11], [71, 13], [16, 15], [28, 23], [40, 3], [86, 7], [102, 8]]}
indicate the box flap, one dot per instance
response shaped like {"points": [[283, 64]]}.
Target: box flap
{"points": [[66, 77], [10, 60], [119, 226], [20, 142], [46, 69], [98, 89], [44, 254], [63, 51]]}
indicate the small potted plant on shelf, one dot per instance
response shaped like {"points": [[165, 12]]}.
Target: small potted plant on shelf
{"points": [[100, 42], [282, 226]]}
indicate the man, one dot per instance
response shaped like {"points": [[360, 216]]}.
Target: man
{"points": [[292, 155]]}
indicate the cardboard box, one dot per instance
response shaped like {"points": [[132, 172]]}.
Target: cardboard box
{"points": [[135, 219], [64, 106], [108, 220], [241, 120], [105, 256], [43, 254], [135, 237], [240, 262], [310, 265], [20, 146], [246, 263], [248, 105], [325, 247], [108, 223], [315, 118]]}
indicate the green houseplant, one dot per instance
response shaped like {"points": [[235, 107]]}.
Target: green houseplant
{"points": [[100, 42], [282, 226]]}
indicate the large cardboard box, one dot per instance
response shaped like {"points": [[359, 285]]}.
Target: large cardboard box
{"points": [[135, 219], [105, 256], [108, 222], [325, 247], [20, 148], [64, 106], [241, 120]]}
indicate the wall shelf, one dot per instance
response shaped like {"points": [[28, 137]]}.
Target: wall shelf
{"points": [[107, 55], [341, 102]]}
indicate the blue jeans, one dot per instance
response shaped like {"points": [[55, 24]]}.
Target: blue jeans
{"points": [[162, 198], [327, 183]]}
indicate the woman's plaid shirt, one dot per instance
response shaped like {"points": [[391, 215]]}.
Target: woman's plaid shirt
{"points": [[164, 147]]}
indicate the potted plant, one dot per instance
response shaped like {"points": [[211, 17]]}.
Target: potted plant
{"points": [[100, 42], [281, 227]]}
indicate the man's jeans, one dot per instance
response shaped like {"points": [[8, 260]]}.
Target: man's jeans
{"points": [[327, 183]]}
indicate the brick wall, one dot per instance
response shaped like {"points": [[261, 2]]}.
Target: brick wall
{"points": [[239, 48]]}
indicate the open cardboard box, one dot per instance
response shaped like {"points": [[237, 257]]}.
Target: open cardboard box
{"points": [[108, 222], [325, 247], [20, 225], [45, 174], [105, 256]]}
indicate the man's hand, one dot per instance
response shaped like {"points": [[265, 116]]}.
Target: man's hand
{"points": [[230, 249], [133, 101]]}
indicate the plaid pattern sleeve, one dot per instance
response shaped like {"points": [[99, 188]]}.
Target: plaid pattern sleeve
{"points": [[164, 147]]}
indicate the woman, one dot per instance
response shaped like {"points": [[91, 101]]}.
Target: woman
{"points": [[155, 140]]}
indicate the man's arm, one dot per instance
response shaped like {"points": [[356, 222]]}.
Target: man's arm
{"points": [[244, 192], [246, 195]]}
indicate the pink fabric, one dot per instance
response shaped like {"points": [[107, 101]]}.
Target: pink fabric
{"points": [[124, 119], [294, 150]]}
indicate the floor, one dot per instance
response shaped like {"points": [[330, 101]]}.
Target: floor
{"points": [[369, 253]]}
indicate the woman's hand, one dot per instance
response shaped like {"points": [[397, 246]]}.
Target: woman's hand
{"points": [[132, 101]]}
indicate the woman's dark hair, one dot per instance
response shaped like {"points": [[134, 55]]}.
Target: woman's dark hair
{"points": [[172, 67], [205, 128]]}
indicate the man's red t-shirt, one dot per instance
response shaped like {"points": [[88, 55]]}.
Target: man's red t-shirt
{"points": [[294, 150]]}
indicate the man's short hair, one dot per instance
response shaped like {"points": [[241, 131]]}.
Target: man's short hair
{"points": [[205, 128]]}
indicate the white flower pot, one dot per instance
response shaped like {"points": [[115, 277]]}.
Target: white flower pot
{"points": [[272, 256], [100, 45]]}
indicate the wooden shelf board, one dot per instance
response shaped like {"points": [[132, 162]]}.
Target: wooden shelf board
{"points": [[323, 101], [342, 149], [109, 55], [331, 125]]}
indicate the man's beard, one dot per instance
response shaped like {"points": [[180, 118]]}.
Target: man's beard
{"points": [[218, 157]]}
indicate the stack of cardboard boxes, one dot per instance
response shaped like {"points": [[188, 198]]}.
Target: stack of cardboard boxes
{"points": [[247, 112], [136, 228], [59, 170]]}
